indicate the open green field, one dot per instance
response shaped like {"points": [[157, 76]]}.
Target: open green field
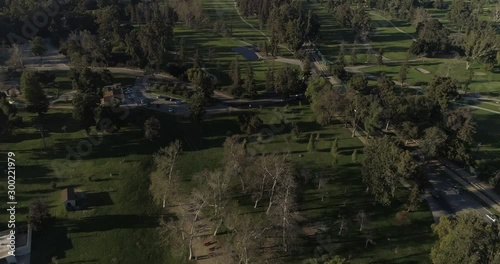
{"points": [[488, 133], [484, 81], [119, 226], [394, 43], [120, 220]]}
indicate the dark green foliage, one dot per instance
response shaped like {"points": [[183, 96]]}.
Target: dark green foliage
{"points": [[250, 123], [33, 92]]}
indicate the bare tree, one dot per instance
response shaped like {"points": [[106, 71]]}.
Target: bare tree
{"points": [[322, 181], [180, 233], [277, 167], [361, 217], [247, 235], [16, 58], [368, 238], [286, 207], [342, 221], [215, 193], [165, 178], [235, 159]]}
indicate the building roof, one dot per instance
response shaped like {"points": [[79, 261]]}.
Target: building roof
{"points": [[68, 194], [112, 91]]}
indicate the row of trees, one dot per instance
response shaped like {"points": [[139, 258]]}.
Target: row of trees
{"points": [[268, 180], [287, 21]]}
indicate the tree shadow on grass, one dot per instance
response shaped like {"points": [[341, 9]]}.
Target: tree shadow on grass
{"points": [[49, 243]]}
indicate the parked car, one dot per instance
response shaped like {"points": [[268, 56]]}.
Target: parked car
{"points": [[171, 110], [160, 97]]}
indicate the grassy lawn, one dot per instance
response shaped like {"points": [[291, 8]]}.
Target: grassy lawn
{"points": [[346, 194], [394, 43], [488, 133], [119, 226], [120, 221], [483, 82]]}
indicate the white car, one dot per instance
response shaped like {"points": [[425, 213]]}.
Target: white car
{"points": [[492, 217]]}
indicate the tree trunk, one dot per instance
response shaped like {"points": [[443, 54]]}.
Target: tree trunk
{"points": [[271, 197], [190, 250], [387, 125], [218, 226]]}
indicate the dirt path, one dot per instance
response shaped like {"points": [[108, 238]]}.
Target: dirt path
{"points": [[203, 234]]}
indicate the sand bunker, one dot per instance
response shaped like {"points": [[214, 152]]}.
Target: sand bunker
{"points": [[424, 71], [480, 73], [246, 52]]}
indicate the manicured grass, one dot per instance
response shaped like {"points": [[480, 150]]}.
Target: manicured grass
{"points": [[487, 82], [345, 193], [488, 133], [394, 43], [119, 226]]}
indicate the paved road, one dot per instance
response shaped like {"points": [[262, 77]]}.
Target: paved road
{"points": [[452, 197]]}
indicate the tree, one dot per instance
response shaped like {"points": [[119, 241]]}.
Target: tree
{"points": [[152, 129], [180, 233], [403, 72], [359, 83], [214, 192], [197, 105], [354, 156], [420, 15], [247, 234], [361, 217], [165, 178], [433, 141], [466, 238], [354, 56], [38, 215], [335, 151], [236, 160], [235, 77], [327, 101], [15, 60], [383, 165], [312, 144], [249, 83], [380, 57], [306, 71], [414, 199], [270, 78], [441, 91], [250, 123], [432, 38], [84, 106], [286, 81], [461, 14], [478, 44], [33, 92], [181, 51], [37, 47], [341, 55], [154, 37]]}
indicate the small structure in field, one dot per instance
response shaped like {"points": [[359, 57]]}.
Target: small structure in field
{"points": [[69, 198]]}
